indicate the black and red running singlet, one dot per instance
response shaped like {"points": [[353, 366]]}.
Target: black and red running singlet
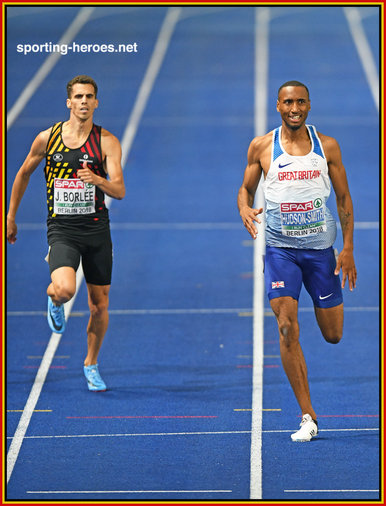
{"points": [[69, 199]]}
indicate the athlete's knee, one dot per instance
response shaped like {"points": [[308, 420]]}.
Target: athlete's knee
{"points": [[333, 336], [64, 291], [99, 307], [332, 329], [288, 330], [284, 327]]}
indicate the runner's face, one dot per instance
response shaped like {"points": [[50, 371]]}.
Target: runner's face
{"points": [[293, 105], [82, 102]]}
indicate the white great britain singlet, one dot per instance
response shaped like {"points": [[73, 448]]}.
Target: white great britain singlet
{"points": [[296, 190]]}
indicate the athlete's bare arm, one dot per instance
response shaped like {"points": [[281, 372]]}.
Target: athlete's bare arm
{"points": [[111, 152], [34, 157], [258, 156], [344, 205]]}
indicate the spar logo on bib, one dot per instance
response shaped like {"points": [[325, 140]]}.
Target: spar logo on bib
{"points": [[74, 184], [289, 207]]}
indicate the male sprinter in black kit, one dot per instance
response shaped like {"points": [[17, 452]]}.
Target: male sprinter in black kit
{"points": [[79, 157]]}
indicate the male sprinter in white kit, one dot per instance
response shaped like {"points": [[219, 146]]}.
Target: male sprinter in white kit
{"points": [[298, 164]]}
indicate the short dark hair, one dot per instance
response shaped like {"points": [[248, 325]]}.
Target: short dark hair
{"points": [[293, 83], [82, 79]]}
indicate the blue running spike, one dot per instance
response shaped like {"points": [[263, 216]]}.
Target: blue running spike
{"points": [[94, 380], [55, 317]]}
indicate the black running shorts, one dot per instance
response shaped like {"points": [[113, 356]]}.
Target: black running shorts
{"points": [[95, 252]]}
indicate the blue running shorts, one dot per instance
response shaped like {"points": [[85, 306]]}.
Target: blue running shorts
{"points": [[287, 268]]}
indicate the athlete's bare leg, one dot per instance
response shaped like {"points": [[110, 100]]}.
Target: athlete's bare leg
{"points": [[330, 321], [63, 285], [98, 301], [286, 312]]}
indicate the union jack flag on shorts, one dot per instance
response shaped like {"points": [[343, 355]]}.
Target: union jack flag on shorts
{"points": [[277, 284]]}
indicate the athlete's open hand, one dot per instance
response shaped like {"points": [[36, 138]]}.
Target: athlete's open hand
{"points": [[249, 217], [346, 262], [87, 176]]}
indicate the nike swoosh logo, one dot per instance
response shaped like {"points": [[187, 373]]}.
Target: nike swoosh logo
{"points": [[285, 165], [326, 296]]}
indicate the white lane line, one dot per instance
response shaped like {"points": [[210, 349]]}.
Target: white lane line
{"points": [[180, 226], [363, 225], [151, 434], [146, 311], [329, 491], [202, 433], [129, 491], [81, 19], [263, 16], [323, 430], [152, 71], [182, 311], [353, 309], [359, 225], [183, 121], [236, 310], [364, 50], [162, 42], [36, 389], [260, 119]]}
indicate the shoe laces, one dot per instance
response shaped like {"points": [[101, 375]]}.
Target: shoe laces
{"points": [[305, 419], [56, 310], [93, 370]]}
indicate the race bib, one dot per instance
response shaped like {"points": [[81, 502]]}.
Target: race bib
{"points": [[73, 196], [300, 219]]}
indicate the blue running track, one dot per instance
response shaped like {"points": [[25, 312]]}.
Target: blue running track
{"points": [[176, 421]]}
